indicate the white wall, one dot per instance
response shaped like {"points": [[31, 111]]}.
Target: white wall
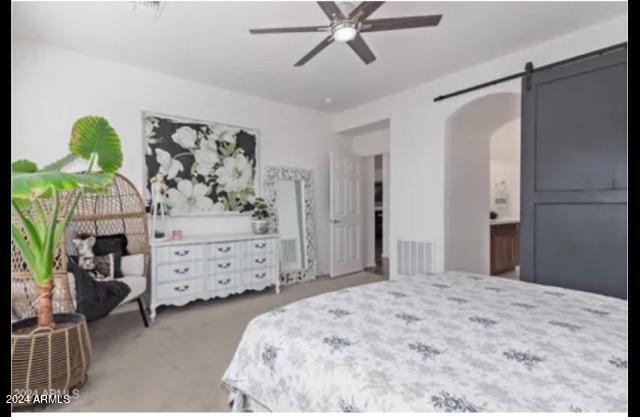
{"points": [[52, 87], [386, 203], [417, 126], [505, 166], [468, 135]]}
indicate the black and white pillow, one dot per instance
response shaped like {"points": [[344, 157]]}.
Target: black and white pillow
{"points": [[100, 267]]}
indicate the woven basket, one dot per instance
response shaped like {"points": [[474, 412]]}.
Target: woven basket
{"points": [[49, 361]]}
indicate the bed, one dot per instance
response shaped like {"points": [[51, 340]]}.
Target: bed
{"points": [[448, 342]]}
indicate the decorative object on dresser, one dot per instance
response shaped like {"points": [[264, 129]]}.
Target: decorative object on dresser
{"points": [[290, 192], [209, 168], [205, 267], [158, 207], [260, 216]]}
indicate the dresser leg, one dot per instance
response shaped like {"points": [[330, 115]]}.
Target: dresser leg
{"points": [[152, 314]]}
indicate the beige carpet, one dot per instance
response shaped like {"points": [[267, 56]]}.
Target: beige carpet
{"points": [[177, 363]]}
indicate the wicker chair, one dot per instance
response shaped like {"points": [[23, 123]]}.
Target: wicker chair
{"points": [[120, 210]]}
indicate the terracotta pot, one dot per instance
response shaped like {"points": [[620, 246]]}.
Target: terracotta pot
{"points": [[49, 361]]}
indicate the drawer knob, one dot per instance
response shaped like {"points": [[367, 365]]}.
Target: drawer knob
{"points": [[181, 253], [224, 266], [181, 271], [225, 249], [260, 276], [261, 245], [261, 260], [225, 282], [181, 289]]}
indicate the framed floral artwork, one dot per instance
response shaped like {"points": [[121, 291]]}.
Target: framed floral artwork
{"points": [[207, 168]]}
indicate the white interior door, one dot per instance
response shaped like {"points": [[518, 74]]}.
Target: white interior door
{"points": [[346, 214]]}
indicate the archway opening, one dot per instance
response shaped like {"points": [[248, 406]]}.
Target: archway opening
{"points": [[473, 184]]}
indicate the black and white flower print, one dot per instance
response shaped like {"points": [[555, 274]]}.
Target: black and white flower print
{"points": [[452, 404], [565, 325], [336, 343], [430, 351], [486, 322], [348, 406], [397, 294], [529, 360], [269, 355], [207, 167], [524, 305], [408, 318], [601, 313], [339, 312], [426, 351], [618, 362]]}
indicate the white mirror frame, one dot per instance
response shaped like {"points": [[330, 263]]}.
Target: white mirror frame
{"points": [[272, 176]]}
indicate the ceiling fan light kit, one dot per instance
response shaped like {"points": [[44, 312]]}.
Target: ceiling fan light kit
{"points": [[347, 27]]}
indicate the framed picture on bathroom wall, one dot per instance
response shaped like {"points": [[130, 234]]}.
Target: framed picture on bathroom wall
{"points": [[207, 168]]}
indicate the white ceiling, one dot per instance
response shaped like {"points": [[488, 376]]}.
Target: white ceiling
{"points": [[209, 42]]}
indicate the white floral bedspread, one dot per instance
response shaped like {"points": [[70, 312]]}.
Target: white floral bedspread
{"points": [[450, 342]]}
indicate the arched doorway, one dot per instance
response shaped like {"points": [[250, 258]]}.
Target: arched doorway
{"points": [[468, 133]]}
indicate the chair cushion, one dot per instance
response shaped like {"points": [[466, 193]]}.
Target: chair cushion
{"points": [[137, 284], [95, 299], [133, 265]]}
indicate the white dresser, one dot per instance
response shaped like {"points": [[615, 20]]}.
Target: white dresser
{"points": [[203, 267]]}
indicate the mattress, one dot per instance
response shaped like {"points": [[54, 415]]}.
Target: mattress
{"points": [[448, 342]]}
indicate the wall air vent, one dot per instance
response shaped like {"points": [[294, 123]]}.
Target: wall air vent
{"points": [[415, 257]]}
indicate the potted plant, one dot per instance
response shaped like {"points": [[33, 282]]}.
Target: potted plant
{"points": [[43, 200], [260, 216]]}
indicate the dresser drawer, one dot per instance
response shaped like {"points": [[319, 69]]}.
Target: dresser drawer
{"points": [[222, 250], [265, 276], [179, 271], [222, 281], [224, 265], [259, 261], [180, 288], [260, 246], [180, 253]]}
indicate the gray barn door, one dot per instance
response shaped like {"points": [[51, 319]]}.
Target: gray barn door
{"points": [[574, 176]]}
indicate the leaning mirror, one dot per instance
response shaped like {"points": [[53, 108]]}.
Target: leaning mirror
{"points": [[290, 194]]}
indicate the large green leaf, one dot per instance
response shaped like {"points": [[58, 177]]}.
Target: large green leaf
{"points": [[29, 186], [60, 163], [92, 135], [24, 165]]}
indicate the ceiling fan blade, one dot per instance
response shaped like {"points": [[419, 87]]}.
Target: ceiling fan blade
{"points": [[397, 23], [326, 42], [290, 29], [365, 9], [331, 9], [360, 47]]}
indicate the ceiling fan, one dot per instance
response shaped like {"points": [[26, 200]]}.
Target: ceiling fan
{"points": [[347, 22]]}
